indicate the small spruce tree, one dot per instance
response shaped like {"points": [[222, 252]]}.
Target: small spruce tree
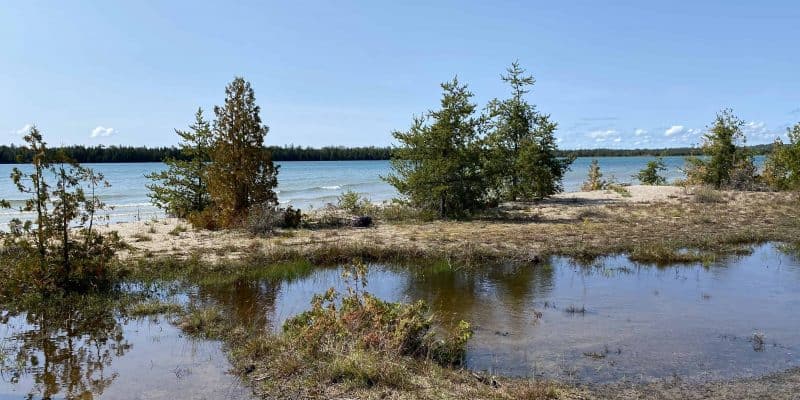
{"points": [[437, 165], [182, 189], [521, 157], [651, 174]]}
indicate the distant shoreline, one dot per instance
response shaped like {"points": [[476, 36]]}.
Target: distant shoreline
{"points": [[131, 154]]}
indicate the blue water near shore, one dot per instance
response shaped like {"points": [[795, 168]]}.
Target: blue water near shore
{"points": [[307, 184]]}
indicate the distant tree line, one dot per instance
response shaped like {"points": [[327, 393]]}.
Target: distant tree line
{"points": [[133, 154], [130, 154]]}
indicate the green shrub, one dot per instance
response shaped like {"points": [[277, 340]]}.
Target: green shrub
{"points": [[595, 179], [352, 202], [650, 175], [782, 168], [358, 321]]}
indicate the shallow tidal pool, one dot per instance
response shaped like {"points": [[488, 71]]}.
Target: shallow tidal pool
{"points": [[606, 321]]}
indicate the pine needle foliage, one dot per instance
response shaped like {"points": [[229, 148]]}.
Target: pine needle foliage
{"points": [[522, 159], [437, 165], [651, 174], [182, 189]]}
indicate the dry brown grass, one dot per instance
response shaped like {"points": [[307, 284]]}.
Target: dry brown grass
{"points": [[528, 232]]}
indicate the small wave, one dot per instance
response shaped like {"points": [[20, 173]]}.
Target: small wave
{"points": [[336, 187]]}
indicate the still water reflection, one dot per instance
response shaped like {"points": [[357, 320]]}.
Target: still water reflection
{"points": [[603, 322], [84, 349], [612, 320]]}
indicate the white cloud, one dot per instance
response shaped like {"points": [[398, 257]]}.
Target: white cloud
{"points": [[601, 134], [102, 131], [673, 130], [23, 130], [640, 132]]}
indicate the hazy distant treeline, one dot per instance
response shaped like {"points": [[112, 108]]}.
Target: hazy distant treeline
{"points": [[122, 154]]}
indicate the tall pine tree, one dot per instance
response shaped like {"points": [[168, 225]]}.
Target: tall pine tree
{"points": [[437, 164], [182, 189], [521, 157], [242, 173]]}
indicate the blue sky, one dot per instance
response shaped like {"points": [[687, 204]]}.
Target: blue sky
{"points": [[621, 74]]}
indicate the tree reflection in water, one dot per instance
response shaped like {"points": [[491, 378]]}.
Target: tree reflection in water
{"points": [[62, 346]]}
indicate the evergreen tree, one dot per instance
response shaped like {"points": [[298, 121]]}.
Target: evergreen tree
{"points": [[437, 165], [182, 189], [242, 173], [594, 181], [651, 174], [782, 168], [522, 159]]}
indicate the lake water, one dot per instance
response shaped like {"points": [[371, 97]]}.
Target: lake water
{"points": [[305, 184]]}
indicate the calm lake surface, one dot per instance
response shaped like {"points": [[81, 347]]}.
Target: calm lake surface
{"points": [[306, 184], [734, 318]]}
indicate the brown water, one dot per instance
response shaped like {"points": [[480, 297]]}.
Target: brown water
{"points": [[736, 318]]}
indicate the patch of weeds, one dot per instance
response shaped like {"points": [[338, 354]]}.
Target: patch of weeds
{"points": [[619, 189], [204, 322], [664, 254], [706, 194], [180, 228]]}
